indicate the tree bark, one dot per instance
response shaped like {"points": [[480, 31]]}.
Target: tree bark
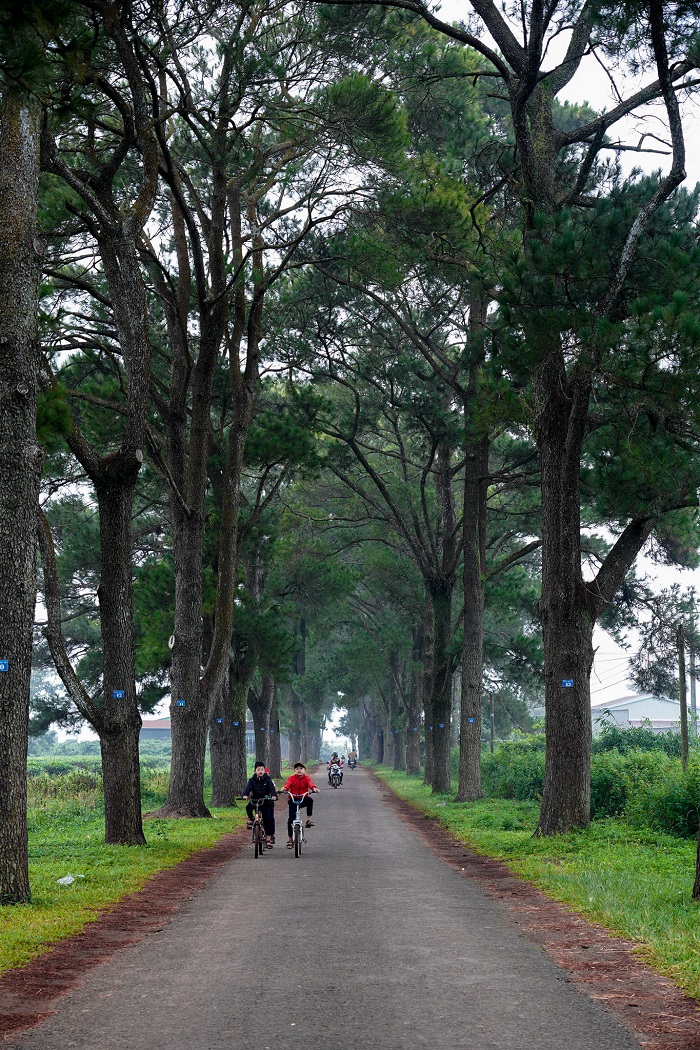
{"points": [[305, 749], [567, 620], [413, 729], [295, 706], [378, 743], [696, 884], [440, 593], [260, 705], [117, 224], [473, 569], [121, 721], [275, 755], [221, 749], [314, 737], [21, 459]]}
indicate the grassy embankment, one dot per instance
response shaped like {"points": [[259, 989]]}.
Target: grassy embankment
{"points": [[66, 831], [634, 881]]}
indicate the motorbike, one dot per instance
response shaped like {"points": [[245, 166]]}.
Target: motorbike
{"points": [[335, 776], [352, 762]]}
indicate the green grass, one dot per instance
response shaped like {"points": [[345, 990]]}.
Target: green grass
{"points": [[66, 831], [635, 882]]}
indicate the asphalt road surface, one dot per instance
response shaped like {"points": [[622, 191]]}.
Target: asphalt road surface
{"points": [[367, 940]]}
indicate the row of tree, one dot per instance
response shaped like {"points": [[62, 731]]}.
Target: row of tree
{"points": [[351, 358]]}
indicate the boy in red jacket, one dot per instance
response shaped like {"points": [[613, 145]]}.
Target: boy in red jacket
{"points": [[295, 786]]}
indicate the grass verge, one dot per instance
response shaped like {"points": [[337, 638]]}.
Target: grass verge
{"points": [[636, 883]]}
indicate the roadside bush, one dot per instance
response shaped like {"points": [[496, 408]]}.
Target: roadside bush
{"points": [[82, 748], [636, 738], [55, 767], [161, 749], [608, 784], [76, 783], [615, 778], [154, 786], [646, 786], [669, 802], [515, 770]]}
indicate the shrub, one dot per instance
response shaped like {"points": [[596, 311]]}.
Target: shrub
{"points": [[515, 770], [78, 782], [608, 784], [669, 802], [636, 738], [615, 777]]}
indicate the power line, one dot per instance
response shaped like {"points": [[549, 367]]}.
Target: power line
{"points": [[602, 688]]}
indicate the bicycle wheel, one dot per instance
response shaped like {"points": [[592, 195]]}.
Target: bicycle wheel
{"points": [[297, 840], [258, 837]]}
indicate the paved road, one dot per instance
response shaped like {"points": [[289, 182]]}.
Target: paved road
{"points": [[367, 940]]}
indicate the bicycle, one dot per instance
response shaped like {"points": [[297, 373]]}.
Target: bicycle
{"points": [[258, 830], [297, 823]]}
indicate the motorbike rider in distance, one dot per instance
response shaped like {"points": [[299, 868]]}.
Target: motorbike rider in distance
{"points": [[335, 761]]}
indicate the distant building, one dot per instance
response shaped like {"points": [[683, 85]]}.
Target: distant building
{"points": [[636, 709], [159, 729], [155, 729]]}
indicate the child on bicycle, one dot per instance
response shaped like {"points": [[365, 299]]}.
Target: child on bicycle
{"points": [[260, 785], [295, 786]]}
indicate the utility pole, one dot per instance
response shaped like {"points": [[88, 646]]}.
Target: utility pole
{"points": [[680, 636], [693, 700]]}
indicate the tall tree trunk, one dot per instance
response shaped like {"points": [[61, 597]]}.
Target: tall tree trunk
{"points": [[378, 743], [304, 732], [260, 704], [188, 704], [567, 623], [428, 731], [221, 750], [275, 755], [440, 592], [314, 734], [399, 749], [295, 707], [396, 714], [241, 677], [21, 458], [413, 713], [474, 565], [121, 721], [426, 692], [188, 427], [117, 230]]}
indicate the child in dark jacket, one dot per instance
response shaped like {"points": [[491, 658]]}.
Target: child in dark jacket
{"points": [[260, 785]]}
